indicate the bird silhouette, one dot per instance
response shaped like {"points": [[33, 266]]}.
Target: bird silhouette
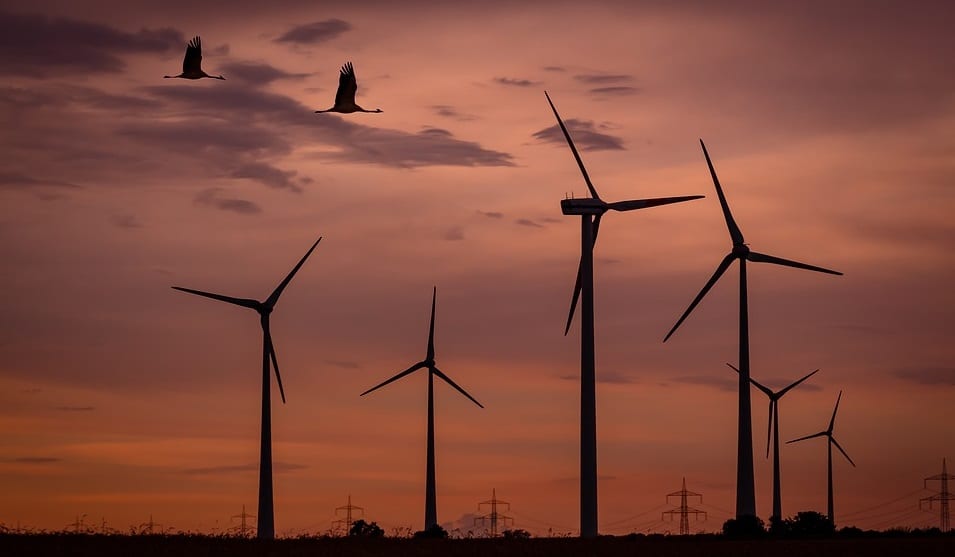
{"points": [[192, 62], [345, 97]]}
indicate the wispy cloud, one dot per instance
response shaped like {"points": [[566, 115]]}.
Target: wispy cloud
{"points": [[596, 79], [448, 111], [619, 90], [268, 175], [516, 82], [76, 408], [727, 384], [585, 136], [316, 32], [528, 223], [453, 234], [13, 180], [491, 214], [36, 460], [257, 73], [554, 69], [125, 221], [944, 376], [235, 468], [212, 197]]}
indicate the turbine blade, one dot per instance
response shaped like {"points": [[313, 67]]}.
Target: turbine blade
{"points": [[577, 285], [270, 302], [440, 374], [769, 428], [573, 148], [706, 288], [244, 302], [794, 385], [832, 420], [841, 450], [644, 203], [275, 362], [434, 296], [820, 434], [734, 231], [763, 258], [411, 369], [755, 383]]}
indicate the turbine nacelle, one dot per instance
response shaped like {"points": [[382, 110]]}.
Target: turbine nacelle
{"points": [[584, 206]]}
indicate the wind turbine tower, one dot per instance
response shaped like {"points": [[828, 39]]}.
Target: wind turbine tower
{"points": [[591, 210], [430, 498], [745, 479], [266, 516]]}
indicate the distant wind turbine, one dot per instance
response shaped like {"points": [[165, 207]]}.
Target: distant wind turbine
{"points": [[266, 515], [745, 481], [773, 430], [192, 63], [591, 210], [345, 97], [832, 441], [430, 503]]}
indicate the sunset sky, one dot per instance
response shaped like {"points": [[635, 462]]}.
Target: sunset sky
{"points": [[831, 128]]}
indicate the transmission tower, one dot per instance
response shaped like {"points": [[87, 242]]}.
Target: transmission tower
{"points": [[347, 521], [244, 529], [943, 497], [493, 517], [684, 511]]}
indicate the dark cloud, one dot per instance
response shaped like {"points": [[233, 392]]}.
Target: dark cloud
{"points": [[212, 198], [257, 73], [529, 223], [619, 90], [315, 33], [230, 469], [453, 234], [451, 112], [35, 45], [722, 383], [429, 147], [943, 376], [491, 214], [516, 82], [37, 460], [596, 79], [346, 364], [608, 377], [125, 221], [585, 136], [268, 175], [15, 180], [75, 408]]}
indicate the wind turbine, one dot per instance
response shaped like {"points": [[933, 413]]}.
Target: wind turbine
{"points": [[773, 430], [591, 210], [430, 499], [265, 528], [832, 441], [745, 481]]}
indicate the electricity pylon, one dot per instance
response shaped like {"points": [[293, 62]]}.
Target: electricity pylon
{"points": [[244, 528], [347, 521], [494, 516], [684, 511], [943, 497]]}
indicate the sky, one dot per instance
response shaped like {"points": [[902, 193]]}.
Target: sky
{"points": [[120, 399]]}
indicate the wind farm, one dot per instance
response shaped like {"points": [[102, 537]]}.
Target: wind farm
{"points": [[133, 422]]}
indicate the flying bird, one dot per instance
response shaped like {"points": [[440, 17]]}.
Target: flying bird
{"points": [[345, 97], [192, 62]]}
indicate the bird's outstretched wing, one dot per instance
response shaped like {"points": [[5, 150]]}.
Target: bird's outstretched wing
{"points": [[192, 63], [347, 86]]}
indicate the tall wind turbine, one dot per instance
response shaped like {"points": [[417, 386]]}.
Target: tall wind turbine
{"points": [[745, 481], [430, 498], [832, 441], [591, 210], [773, 430], [266, 515]]}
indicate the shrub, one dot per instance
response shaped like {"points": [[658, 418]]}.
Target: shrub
{"points": [[744, 527], [516, 534], [362, 529], [435, 531]]}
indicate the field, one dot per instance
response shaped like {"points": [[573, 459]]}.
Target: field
{"points": [[672, 546]]}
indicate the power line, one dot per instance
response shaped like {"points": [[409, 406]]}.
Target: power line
{"points": [[684, 510], [244, 528], [494, 516]]}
